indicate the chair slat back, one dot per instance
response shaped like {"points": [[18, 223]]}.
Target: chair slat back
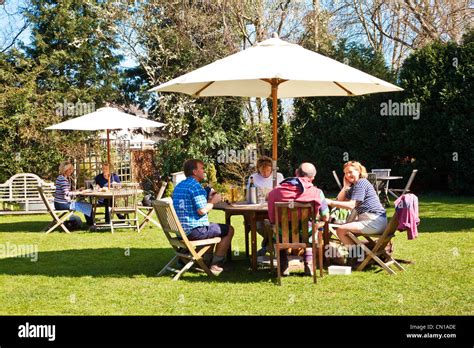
{"points": [[410, 181], [168, 219], [24, 185], [291, 218], [304, 226], [295, 230], [381, 172], [337, 179], [161, 192], [125, 197], [44, 199]]}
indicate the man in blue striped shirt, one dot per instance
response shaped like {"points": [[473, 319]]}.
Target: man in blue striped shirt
{"points": [[192, 205]]}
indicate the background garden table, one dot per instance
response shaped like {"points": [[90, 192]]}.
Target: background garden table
{"points": [[383, 187], [251, 213], [95, 195]]}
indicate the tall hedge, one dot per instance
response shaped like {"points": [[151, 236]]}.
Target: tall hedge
{"points": [[438, 142]]}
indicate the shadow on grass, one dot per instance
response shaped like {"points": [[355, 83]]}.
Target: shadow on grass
{"points": [[24, 226], [113, 262], [430, 224]]}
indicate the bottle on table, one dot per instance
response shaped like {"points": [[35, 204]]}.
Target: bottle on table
{"points": [[252, 192]]}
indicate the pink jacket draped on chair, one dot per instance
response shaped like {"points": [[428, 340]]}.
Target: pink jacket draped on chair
{"points": [[406, 207]]}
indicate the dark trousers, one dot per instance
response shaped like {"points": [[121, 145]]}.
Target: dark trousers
{"points": [[107, 203]]}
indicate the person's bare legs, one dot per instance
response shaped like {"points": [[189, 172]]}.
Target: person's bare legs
{"points": [[221, 252], [224, 244], [342, 230]]}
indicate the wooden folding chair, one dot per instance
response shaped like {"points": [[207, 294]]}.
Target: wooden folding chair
{"points": [[407, 188], [147, 211], [375, 250], [294, 233], [124, 201], [182, 246], [59, 216]]}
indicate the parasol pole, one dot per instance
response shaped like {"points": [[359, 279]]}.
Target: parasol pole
{"points": [[108, 156], [275, 84]]}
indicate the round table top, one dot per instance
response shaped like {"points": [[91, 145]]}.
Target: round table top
{"points": [[100, 193], [241, 206], [381, 177]]}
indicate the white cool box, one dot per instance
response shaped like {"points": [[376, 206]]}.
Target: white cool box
{"points": [[336, 270]]}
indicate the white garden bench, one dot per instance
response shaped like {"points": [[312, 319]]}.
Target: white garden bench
{"points": [[22, 188]]}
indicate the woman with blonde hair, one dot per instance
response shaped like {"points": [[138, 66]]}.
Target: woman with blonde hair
{"points": [[62, 196], [369, 216]]}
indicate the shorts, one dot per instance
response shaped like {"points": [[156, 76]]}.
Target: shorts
{"points": [[371, 223], [211, 231]]}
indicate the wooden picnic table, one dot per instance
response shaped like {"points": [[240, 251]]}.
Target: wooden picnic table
{"points": [[95, 195], [251, 213]]}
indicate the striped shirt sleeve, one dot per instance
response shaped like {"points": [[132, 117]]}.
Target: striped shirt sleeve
{"points": [[63, 187], [199, 197]]}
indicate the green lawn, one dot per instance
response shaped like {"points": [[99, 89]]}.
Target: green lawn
{"points": [[103, 274]]}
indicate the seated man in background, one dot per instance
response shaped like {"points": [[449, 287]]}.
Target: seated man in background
{"points": [[102, 180], [192, 205]]}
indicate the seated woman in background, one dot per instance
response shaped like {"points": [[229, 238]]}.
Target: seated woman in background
{"points": [[62, 197], [263, 179], [358, 193], [102, 180]]}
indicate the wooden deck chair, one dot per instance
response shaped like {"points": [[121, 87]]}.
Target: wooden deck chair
{"points": [[338, 182], [124, 201], [59, 216], [394, 192], [147, 211], [294, 235], [182, 246], [375, 250]]}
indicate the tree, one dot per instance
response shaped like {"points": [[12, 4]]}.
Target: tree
{"points": [[70, 59], [329, 131], [439, 77], [169, 39], [396, 28]]}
